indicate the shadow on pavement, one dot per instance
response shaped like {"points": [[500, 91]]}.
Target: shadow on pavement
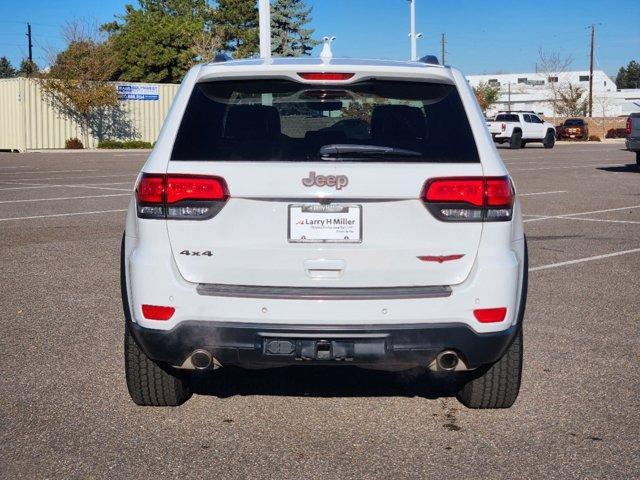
{"points": [[312, 381], [630, 167]]}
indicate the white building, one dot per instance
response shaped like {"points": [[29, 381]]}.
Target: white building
{"points": [[531, 91]]}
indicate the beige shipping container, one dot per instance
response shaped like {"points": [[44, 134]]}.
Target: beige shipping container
{"points": [[29, 122]]}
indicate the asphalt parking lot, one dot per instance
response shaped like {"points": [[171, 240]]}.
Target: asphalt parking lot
{"points": [[65, 411]]}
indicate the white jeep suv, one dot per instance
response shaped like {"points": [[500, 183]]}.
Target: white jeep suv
{"points": [[308, 212]]}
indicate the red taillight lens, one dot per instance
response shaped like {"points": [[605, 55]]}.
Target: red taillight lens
{"points": [[628, 126], [187, 197], [490, 315], [503, 127], [455, 190], [151, 188], [326, 76], [469, 199], [195, 188], [157, 312]]}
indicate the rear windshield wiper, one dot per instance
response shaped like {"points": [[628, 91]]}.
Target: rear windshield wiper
{"points": [[336, 151]]}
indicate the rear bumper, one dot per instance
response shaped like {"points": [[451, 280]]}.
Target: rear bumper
{"points": [[633, 144], [259, 345]]}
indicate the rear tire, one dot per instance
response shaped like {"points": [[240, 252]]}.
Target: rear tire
{"points": [[638, 159], [523, 144], [497, 386], [549, 140], [516, 140], [150, 384]]}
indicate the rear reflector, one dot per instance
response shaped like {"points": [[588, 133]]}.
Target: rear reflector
{"points": [[469, 198], [188, 197], [326, 76], [490, 315], [157, 312]]}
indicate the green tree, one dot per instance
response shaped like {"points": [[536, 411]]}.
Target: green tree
{"points": [[6, 69], [27, 69], [236, 24], [571, 101], [629, 77], [77, 83], [486, 95], [161, 40], [289, 38]]}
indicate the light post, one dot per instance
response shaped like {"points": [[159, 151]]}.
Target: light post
{"points": [[413, 35]]}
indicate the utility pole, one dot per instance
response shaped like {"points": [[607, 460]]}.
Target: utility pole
{"points": [[443, 42], [509, 90], [412, 33], [30, 43], [264, 16], [593, 35]]}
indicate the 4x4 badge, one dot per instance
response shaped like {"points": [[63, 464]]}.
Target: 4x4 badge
{"points": [[337, 181]]}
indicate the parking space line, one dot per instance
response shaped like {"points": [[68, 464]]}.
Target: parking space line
{"points": [[595, 165], [133, 175], [540, 193], [48, 171], [40, 185], [600, 220], [585, 259], [61, 215], [66, 198], [537, 217]]}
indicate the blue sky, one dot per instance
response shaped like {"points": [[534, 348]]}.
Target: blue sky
{"points": [[483, 37]]}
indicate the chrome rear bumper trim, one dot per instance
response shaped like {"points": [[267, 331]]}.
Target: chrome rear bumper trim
{"points": [[322, 293]]}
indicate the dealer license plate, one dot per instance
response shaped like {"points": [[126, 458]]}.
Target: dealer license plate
{"points": [[315, 223]]}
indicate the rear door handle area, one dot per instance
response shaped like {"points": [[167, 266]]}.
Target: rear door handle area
{"points": [[324, 268]]}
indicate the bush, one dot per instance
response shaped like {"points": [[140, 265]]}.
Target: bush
{"points": [[73, 144], [594, 138], [616, 133], [118, 144]]}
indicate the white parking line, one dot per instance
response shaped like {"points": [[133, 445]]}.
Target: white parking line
{"points": [[65, 185], [565, 216], [61, 215], [65, 198], [18, 166], [48, 171], [133, 175], [569, 166], [541, 193], [581, 260], [582, 219]]}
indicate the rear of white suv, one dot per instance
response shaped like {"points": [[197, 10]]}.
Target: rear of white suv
{"points": [[303, 213]]}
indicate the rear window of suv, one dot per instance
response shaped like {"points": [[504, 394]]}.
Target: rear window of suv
{"points": [[283, 120]]}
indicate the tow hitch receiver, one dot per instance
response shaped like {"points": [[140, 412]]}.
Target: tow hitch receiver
{"points": [[325, 349]]}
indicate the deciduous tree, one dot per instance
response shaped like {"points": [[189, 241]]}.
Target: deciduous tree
{"points": [[487, 95], [571, 101]]}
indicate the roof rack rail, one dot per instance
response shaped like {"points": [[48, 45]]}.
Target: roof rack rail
{"points": [[430, 59], [516, 111], [221, 57]]}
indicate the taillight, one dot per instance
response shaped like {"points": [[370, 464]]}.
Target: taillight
{"points": [[326, 76], [628, 126], [186, 197], [469, 199], [503, 127], [157, 312]]}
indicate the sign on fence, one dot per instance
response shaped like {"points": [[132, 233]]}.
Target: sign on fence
{"points": [[138, 92]]}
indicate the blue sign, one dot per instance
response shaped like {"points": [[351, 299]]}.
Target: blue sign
{"points": [[138, 92]]}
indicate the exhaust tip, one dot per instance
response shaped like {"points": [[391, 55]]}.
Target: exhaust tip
{"points": [[201, 359], [447, 360]]}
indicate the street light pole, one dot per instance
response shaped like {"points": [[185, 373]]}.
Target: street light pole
{"points": [[264, 17], [593, 34], [414, 53]]}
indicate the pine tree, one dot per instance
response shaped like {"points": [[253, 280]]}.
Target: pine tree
{"points": [[236, 24], [6, 69], [27, 68], [289, 38]]}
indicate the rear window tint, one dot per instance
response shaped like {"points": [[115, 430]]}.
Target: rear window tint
{"points": [[281, 120]]}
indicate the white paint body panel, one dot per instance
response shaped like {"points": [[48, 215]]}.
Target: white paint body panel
{"points": [[249, 242]]}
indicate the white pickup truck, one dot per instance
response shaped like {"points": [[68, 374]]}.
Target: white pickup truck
{"points": [[520, 128]]}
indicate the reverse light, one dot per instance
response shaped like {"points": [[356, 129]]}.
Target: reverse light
{"points": [[175, 196], [490, 315], [157, 312], [326, 76], [628, 128], [470, 199]]}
